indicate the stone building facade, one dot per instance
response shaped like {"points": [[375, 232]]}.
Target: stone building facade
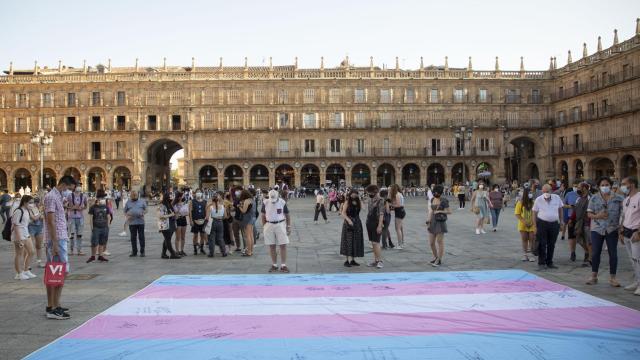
{"points": [[116, 127]]}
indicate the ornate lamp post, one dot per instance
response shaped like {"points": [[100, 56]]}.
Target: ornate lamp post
{"points": [[464, 134], [41, 139]]}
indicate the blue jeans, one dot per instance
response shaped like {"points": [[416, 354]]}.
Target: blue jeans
{"points": [[495, 214], [597, 242]]}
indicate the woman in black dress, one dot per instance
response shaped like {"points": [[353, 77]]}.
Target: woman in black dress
{"points": [[352, 242]]}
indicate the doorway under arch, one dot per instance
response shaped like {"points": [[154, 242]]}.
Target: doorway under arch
{"points": [[435, 174], [410, 175], [310, 177], [284, 175], [386, 175], [158, 170], [360, 176], [259, 176], [233, 176], [208, 177], [336, 175], [22, 179]]}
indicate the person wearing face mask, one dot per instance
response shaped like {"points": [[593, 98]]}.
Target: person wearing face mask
{"points": [[352, 240], [215, 226], [197, 216], [580, 223], [570, 198], [526, 224], [181, 208], [237, 216], [437, 224], [134, 210], [480, 207], [629, 233], [495, 203], [36, 228], [56, 239], [547, 212], [22, 241], [374, 223], [604, 211], [76, 204], [101, 217], [276, 227]]}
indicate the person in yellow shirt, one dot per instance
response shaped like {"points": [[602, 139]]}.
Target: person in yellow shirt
{"points": [[526, 225]]}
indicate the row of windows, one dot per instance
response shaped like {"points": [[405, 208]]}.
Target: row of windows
{"points": [[309, 96], [596, 81], [594, 110], [282, 120]]}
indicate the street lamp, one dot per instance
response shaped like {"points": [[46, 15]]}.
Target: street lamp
{"points": [[464, 134], [42, 140]]}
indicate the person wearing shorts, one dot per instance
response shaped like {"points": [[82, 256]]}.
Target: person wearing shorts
{"points": [[374, 224], [56, 239], [276, 225], [101, 217]]}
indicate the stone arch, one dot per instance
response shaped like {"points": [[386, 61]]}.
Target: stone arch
{"points": [[460, 173], [96, 179], [208, 177], [284, 174], [602, 166], [532, 171], [386, 175], [73, 172], [259, 176], [562, 169], [233, 176], [485, 171], [410, 175], [4, 180], [21, 179], [578, 167], [435, 174], [360, 175], [521, 151], [121, 178], [310, 176], [628, 166], [158, 170], [50, 178], [335, 174]]}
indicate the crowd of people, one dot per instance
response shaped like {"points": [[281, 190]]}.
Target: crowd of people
{"points": [[595, 216]]}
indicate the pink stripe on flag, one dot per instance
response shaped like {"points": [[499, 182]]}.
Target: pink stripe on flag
{"points": [[375, 324], [357, 290]]}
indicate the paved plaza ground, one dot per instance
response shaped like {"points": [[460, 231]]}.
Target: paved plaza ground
{"points": [[314, 249]]}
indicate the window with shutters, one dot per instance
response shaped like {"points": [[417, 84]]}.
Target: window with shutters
{"points": [[96, 123], [21, 125], [410, 96], [259, 145], [46, 123], [47, 100], [153, 98], [95, 98], [233, 97], [71, 123], [360, 96], [310, 121], [309, 146], [411, 119], [22, 100], [283, 121], [334, 145], [337, 120], [207, 121], [233, 144], [283, 96], [209, 145], [458, 95], [71, 99], [433, 96], [575, 113], [385, 96], [121, 149], [121, 123], [359, 120], [121, 98], [309, 96], [360, 149], [483, 96], [385, 120], [152, 122], [21, 151], [335, 96], [259, 97], [234, 121], [484, 144], [283, 145]]}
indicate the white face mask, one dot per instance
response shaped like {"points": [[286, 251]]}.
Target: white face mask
{"points": [[547, 195], [102, 202], [78, 189], [237, 193], [624, 189], [605, 189], [480, 186], [575, 189], [198, 195], [530, 196]]}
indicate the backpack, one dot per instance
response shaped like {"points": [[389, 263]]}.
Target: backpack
{"points": [[6, 231]]}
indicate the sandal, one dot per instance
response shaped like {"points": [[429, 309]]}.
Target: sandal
{"points": [[284, 269], [273, 269]]}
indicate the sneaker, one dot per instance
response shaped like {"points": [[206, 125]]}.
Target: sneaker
{"points": [[141, 254], [354, 263], [372, 264], [21, 276], [380, 265], [102, 259], [123, 234], [437, 263], [315, 222], [176, 256], [106, 253], [133, 255], [326, 221], [637, 292], [81, 253], [532, 258], [433, 261], [210, 255], [399, 247], [494, 229], [482, 231], [30, 274], [477, 231], [551, 266], [164, 256], [58, 314], [573, 256], [91, 259], [525, 257], [631, 287], [592, 281], [40, 263], [274, 268], [542, 267]]}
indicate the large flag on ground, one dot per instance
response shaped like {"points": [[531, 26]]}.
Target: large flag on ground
{"points": [[436, 315]]}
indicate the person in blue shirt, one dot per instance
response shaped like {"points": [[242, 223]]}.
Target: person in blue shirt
{"points": [[570, 197]]}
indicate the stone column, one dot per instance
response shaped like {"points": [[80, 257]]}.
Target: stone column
{"points": [[347, 175], [272, 177], [221, 179], [424, 176], [323, 175], [245, 177], [296, 175]]}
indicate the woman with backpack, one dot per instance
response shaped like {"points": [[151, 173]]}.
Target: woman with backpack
{"points": [[437, 224], [21, 239]]}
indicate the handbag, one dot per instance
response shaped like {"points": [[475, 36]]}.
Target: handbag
{"points": [[440, 217], [163, 224], [54, 273], [475, 210]]}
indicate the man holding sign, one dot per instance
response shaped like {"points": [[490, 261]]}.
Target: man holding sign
{"points": [[56, 238]]}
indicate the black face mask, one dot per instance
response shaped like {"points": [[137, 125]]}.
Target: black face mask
{"points": [[372, 195], [579, 192], [436, 195]]}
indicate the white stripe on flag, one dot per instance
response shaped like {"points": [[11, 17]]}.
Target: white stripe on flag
{"points": [[356, 305]]}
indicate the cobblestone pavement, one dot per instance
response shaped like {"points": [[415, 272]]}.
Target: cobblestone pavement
{"points": [[314, 249]]}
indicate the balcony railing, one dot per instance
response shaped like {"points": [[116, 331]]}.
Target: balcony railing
{"points": [[512, 99], [597, 84], [599, 113]]}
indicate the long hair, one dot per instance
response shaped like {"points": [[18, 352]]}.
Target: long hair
{"points": [[349, 199], [244, 195], [166, 201], [25, 200], [393, 191], [177, 198], [526, 202]]}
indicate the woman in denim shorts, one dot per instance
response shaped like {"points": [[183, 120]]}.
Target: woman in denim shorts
{"points": [[36, 224]]}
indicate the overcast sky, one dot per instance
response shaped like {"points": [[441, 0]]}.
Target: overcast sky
{"points": [[125, 29]]}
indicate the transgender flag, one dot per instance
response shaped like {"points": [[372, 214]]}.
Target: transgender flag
{"points": [[436, 315]]}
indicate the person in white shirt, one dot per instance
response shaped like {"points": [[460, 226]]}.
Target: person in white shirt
{"points": [[547, 212], [21, 239], [274, 216], [630, 229], [215, 226], [320, 207]]}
